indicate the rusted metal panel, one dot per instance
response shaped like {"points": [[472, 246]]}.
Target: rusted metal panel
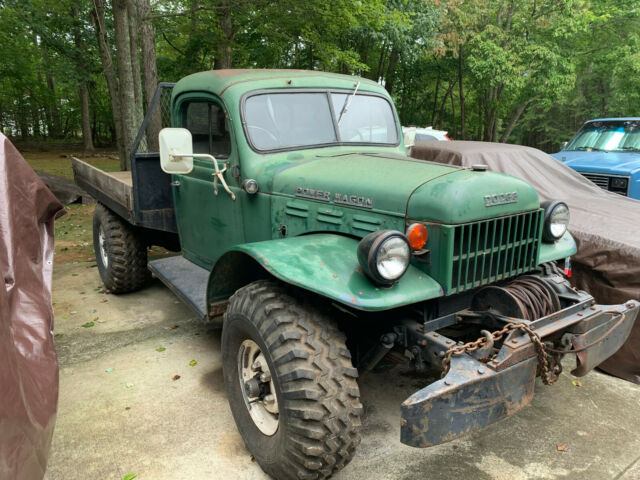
{"points": [[475, 394], [587, 359], [470, 397]]}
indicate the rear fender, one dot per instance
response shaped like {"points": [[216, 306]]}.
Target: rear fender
{"points": [[325, 264]]}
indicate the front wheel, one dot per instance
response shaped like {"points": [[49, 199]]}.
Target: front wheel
{"points": [[290, 382]]}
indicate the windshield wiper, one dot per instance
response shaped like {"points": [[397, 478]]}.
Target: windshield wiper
{"points": [[347, 102], [630, 149]]}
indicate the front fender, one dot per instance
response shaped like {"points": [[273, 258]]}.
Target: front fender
{"points": [[325, 264], [561, 249]]}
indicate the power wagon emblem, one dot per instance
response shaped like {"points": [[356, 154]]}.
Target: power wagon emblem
{"points": [[338, 198], [500, 199]]}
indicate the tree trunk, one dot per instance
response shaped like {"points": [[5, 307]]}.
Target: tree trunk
{"points": [[480, 110], [83, 90], [391, 68], [435, 99], [35, 121], [383, 51], [86, 118], [224, 57], [603, 101], [125, 77], [443, 104], [150, 71], [463, 127], [132, 15], [98, 18], [512, 122], [453, 114], [51, 111], [22, 122]]}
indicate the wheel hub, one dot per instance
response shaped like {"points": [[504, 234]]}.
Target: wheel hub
{"points": [[258, 388]]}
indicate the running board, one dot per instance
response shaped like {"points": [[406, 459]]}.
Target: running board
{"points": [[186, 279]]}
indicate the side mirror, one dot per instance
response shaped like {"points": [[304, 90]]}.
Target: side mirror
{"points": [[564, 145], [176, 150], [409, 136]]}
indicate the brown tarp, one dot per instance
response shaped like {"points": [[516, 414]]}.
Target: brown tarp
{"points": [[28, 362], [606, 226]]}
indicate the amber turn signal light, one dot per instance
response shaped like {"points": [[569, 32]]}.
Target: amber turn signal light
{"points": [[417, 235]]}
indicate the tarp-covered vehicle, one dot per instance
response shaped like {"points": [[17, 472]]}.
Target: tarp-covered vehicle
{"points": [[299, 216], [28, 361], [606, 226]]}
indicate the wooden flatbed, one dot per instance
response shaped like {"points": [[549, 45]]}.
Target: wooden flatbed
{"points": [[114, 189]]}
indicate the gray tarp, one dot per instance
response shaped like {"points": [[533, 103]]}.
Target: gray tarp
{"points": [[28, 362], [606, 226]]}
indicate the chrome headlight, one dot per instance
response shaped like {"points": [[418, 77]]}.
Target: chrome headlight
{"points": [[384, 256], [556, 220]]}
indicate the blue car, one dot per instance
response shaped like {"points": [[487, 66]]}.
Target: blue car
{"points": [[607, 152]]}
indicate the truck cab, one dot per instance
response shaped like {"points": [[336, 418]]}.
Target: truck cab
{"points": [[303, 230]]}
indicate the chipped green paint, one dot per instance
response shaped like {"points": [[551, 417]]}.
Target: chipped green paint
{"points": [[328, 265], [563, 248], [459, 197]]}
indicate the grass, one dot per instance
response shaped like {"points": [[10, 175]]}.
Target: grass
{"points": [[73, 235], [55, 163]]}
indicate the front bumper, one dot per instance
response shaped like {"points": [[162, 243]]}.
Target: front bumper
{"points": [[474, 394]]}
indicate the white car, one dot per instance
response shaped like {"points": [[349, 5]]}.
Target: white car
{"points": [[427, 134]]}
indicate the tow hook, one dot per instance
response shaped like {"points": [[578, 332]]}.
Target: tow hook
{"points": [[486, 350]]}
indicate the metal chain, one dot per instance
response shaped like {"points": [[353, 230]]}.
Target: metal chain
{"points": [[549, 370]]}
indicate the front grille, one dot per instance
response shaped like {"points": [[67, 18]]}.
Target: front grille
{"points": [[613, 183], [491, 250]]}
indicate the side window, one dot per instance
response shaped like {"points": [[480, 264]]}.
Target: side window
{"points": [[208, 126]]}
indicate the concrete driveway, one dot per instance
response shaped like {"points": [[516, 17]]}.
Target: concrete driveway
{"points": [[121, 411]]}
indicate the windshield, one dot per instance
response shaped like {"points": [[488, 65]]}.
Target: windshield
{"points": [[618, 136], [276, 121]]}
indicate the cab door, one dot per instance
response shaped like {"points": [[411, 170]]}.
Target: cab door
{"points": [[208, 224]]}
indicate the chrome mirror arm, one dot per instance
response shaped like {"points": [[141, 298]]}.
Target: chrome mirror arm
{"points": [[218, 174]]}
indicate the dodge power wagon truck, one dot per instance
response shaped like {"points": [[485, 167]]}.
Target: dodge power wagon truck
{"points": [[324, 251]]}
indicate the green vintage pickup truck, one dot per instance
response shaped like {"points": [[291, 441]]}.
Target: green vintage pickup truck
{"points": [[322, 250]]}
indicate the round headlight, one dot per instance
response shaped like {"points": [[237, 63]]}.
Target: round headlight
{"points": [[556, 220], [384, 256]]}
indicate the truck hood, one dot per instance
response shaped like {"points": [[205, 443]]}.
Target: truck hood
{"points": [[399, 185], [620, 163]]}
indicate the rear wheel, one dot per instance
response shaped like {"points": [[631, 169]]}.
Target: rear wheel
{"points": [[290, 382], [121, 254]]}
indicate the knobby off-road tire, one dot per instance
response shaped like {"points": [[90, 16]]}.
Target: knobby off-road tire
{"points": [[315, 383], [120, 254]]}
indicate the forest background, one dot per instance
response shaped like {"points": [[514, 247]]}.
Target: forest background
{"points": [[526, 71]]}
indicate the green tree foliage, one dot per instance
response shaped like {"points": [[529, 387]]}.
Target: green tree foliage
{"points": [[522, 71]]}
